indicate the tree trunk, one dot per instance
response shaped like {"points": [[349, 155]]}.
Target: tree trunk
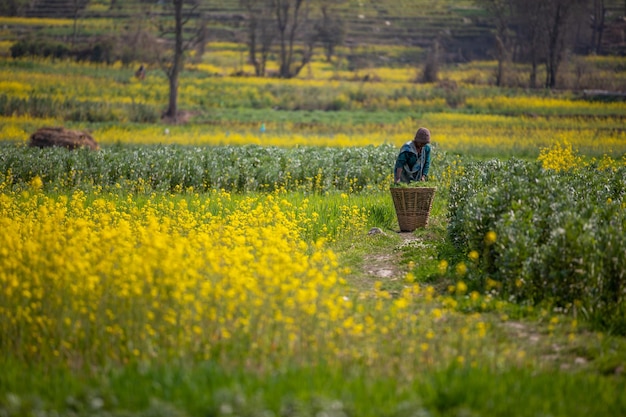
{"points": [[594, 26], [75, 31], [501, 12], [172, 109], [252, 48], [260, 34], [501, 60], [528, 25], [177, 64], [203, 35], [288, 26], [282, 17], [600, 28], [330, 29], [533, 74], [554, 45]]}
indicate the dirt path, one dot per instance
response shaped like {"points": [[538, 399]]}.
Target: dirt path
{"points": [[386, 265]]}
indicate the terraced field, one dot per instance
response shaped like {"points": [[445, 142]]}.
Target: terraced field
{"points": [[462, 28], [399, 22]]}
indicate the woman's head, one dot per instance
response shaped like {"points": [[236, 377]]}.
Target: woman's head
{"points": [[422, 137]]}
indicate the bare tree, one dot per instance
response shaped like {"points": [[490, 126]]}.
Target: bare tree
{"points": [[261, 32], [288, 22], [501, 12], [557, 26], [202, 38], [543, 28], [136, 39], [331, 28], [77, 6], [597, 24], [173, 63], [546, 27], [292, 19], [430, 72], [529, 35]]}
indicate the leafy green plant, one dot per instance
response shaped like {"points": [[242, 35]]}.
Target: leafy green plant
{"points": [[546, 235]]}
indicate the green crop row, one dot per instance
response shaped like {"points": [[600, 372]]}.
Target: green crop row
{"points": [[175, 168], [71, 109], [539, 235]]}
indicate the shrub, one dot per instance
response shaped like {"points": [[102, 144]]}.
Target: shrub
{"points": [[37, 47], [100, 51], [560, 234]]}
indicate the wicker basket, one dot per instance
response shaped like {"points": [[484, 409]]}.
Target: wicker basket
{"points": [[412, 206]]}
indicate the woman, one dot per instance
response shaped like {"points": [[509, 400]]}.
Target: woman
{"points": [[413, 162]]}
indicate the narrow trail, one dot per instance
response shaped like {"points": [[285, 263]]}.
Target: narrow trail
{"points": [[386, 265]]}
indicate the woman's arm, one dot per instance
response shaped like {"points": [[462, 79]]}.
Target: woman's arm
{"points": [[398, 175], [426, 162], [400, 162]]}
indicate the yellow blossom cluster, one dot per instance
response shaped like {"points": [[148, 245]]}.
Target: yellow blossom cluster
{"points": [[100, 278], [26, 21], [101, 23], [274, 136], [560, 157], [485, 133], [539, 104], [115, 280]]}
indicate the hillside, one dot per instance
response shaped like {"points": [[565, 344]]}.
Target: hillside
{"points": [[463, 30]]}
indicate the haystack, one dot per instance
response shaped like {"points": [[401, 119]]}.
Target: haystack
{"points": [[60, 136]]}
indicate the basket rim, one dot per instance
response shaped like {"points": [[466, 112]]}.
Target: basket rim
{"points": [[411, 188]]}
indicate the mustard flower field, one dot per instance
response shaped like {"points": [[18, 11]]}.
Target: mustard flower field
{"points": [[322, 107], [113, 282], [246, 261]]}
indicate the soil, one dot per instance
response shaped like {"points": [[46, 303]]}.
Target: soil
{"points": [[386, 265]]}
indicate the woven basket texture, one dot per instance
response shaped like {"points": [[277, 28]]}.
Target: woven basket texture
{"points": [[412, 206]]}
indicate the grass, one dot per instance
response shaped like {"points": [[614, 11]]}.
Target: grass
{"points": [[208, 390]]}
